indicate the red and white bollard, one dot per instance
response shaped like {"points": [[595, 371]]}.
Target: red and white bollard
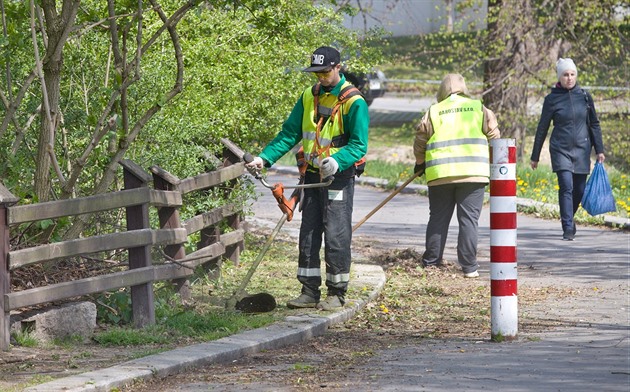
{"points": [[503, 274]]}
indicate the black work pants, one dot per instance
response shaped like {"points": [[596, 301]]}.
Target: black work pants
{"points": [[326, 211]]}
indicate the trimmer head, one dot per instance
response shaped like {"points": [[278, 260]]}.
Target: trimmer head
{"points": [[256, 303]]}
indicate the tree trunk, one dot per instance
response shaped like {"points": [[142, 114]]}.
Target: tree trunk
{"points": [[58, 27], [505, 77], [450, 11], [519, 48], [45, 142]]}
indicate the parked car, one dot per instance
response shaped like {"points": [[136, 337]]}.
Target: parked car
{"points": [[372, 85]]}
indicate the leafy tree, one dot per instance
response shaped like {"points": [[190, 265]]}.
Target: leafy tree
{"points": [[519, 45], [157, 81], [525, 38]]}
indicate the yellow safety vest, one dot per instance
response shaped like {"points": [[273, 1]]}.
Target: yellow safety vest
{"points": [[458, 146], [327, 141]]}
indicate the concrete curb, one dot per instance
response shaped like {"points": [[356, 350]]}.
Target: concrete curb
{"points": [[369, 278]]}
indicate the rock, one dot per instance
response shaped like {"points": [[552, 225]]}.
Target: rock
{"points": [[58, 322]]}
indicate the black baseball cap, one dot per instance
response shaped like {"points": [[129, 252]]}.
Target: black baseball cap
{"points": [[323, 57]]}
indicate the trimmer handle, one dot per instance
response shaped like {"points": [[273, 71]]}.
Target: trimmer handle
{"points": [[248, 158]]}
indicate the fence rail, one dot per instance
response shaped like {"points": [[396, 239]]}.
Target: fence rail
{"points": [[138, 240]]}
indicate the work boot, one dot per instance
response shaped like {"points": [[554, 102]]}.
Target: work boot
{"points": [[302, 302], [332, 302]]}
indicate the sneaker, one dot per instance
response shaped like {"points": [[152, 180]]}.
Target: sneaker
{"points": [[332, 302], [302, 302], [473, 274], [568, 235]]}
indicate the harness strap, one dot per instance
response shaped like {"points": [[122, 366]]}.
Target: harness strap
{"points": [[344, 95]]}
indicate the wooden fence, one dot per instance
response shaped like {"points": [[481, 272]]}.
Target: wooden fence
{"points": [[138, 240]]}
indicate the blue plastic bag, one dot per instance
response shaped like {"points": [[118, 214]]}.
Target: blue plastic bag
{"points": [[598, 197]]}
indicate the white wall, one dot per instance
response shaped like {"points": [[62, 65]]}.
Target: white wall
{"points": [[411, 17]]}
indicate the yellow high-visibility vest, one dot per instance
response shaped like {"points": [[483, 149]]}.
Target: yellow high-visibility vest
{"points": [[458, 146], [317, 147]]}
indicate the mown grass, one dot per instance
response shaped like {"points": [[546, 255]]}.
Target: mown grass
{"points": [[206, 317]]}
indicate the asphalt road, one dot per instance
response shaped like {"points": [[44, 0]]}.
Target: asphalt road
{"points": [[591, 355]]}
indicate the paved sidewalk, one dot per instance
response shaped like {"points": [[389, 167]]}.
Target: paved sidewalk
{"points": [[590, 353]]}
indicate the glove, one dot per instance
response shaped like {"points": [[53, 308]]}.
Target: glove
{"points": [[419, 167], [256, 164], [328, 167]]}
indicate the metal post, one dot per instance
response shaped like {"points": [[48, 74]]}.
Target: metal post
{"points": [[503, 273]]}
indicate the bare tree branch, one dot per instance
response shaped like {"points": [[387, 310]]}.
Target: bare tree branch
{"points": [[11, 108], [109, 174]]}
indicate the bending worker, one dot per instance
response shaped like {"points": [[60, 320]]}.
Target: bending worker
{"points": [[451, 147], [334, 138]]}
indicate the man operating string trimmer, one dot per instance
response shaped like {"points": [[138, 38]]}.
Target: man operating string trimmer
{"points": [[331, 121]]}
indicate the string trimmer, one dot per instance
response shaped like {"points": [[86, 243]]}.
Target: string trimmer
{"points": [[264, 302]]}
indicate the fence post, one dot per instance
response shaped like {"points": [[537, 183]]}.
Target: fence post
{"points": [[232, 252], [209, 236], [6, 199], [169, 219], [503, 230], [142, 299]]}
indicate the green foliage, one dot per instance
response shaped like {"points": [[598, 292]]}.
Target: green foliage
{"points": [[215, 324], [542, 185], [25, 339], [392, 135], [176, 323], [616, 141], [242, 62], [69, 341], [114, 307], [392, 172], [118, 336]]}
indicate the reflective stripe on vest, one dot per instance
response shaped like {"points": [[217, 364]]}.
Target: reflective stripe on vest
{"points": [[458, 146], [330, 129]]}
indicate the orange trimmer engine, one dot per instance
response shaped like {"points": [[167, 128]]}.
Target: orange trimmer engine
{"points": [[286, 206]]}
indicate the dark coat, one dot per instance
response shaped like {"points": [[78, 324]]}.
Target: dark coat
{"points": [[576, 130]]}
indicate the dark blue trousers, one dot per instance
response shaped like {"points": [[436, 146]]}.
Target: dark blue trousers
{"points": [[571, 189]]}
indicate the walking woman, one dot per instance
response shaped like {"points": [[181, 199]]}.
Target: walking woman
{"points": [[576, 131]]}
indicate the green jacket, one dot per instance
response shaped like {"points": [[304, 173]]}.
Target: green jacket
{"points": [[356, 123]]}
